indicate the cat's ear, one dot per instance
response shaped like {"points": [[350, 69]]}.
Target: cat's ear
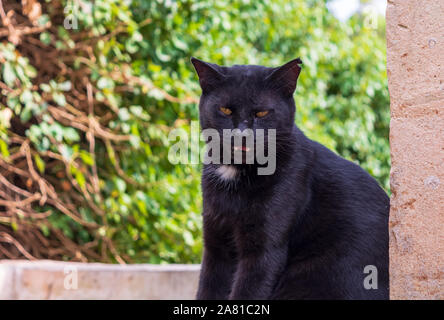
{"points": [[208, 74], [285, 78]]}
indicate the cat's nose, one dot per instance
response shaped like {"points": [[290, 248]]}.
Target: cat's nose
{"points": [[242, 126], [243, 129]]}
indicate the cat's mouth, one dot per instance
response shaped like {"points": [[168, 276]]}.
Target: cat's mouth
{"points": [[242, 154], [242, 148]]}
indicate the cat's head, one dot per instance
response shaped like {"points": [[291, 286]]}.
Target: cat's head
{"points": [[248, 100], [247, 96]]}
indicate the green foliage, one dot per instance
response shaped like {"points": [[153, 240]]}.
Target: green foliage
{"points": [[144, 85]]}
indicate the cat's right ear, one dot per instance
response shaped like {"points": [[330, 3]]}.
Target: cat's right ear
{"points": [[208, 75], [284, 78]]}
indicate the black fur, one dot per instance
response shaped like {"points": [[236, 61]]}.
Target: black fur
{"points": [[305, 232]]}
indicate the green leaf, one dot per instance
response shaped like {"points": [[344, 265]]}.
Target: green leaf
{"points": [[124, 115], [26, 96], [70, 134], [39, 163], [8, 74], [25, 115], [45, 87], [65, 86], [87, 157], [104, 83], [66, 152], [120, 184], [80, 178], [59, 98], [45, 37], [45, 230], [4, 148], [43, 19]]}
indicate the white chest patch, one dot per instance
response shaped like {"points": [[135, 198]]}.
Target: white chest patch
{"points": [[227, 172]]}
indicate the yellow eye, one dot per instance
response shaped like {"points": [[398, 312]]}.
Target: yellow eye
{"points": [[261, 114], [225, 110]]}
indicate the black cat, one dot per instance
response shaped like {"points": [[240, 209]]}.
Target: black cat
{"points": [[308, 230]]}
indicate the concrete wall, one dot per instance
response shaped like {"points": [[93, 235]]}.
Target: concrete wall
{"points": [[69, 280], [415, 65]]}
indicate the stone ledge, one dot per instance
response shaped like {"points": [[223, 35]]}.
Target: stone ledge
{"points": [[45, 279]]}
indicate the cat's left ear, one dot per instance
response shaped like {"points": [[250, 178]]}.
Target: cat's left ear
{"points": [[285, 78]]}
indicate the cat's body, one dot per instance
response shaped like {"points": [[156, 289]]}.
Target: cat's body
{"points": [[308, 230]]}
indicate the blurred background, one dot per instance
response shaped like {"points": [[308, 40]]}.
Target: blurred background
{"points": [[91, 89]]}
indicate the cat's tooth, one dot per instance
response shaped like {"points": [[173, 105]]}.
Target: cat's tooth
{"points": [[247, 149]]}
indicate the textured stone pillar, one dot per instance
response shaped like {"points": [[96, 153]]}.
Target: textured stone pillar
{"points": [[415, 64]]}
